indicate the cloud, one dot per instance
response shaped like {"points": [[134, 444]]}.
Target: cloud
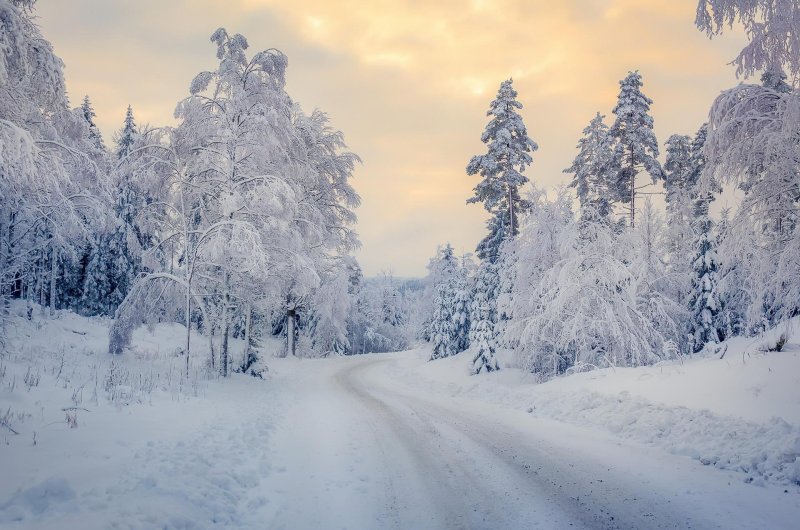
{"points": [[409, 83]]}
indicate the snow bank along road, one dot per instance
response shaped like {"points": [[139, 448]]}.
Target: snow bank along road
{"points": [[363, 451], [342, 443]]}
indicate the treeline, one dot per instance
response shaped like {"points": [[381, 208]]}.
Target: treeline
{"points": [[613, 280], [237, 222]]}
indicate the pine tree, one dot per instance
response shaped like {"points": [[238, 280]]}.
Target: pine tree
{"points": [[590, 170], [115, 257], [501, 169], [482, 334], [461, 310], [679, 234], [704, 301], [89, 115], [677, 168], [774, 78], [697, 158], [442, 327], [634, 143], [126, 137]]}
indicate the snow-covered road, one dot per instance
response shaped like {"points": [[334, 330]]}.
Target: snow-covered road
{"points": [[361, 450], [349, 443]]}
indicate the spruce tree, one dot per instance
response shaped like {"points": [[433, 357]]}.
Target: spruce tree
{"points": [[590, 170], [461, 310], [677, 168], [482, 332], [442, 327], [634, 143], [704, 301], [501, 168], [89, 115], [126, 137], [115, 257], [774, 78]]}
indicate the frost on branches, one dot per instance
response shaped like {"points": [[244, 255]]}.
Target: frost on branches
{"points": [[254, 206], [771, 27]]}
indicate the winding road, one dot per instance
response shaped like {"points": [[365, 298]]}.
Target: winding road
{"points": [[359, 449]]}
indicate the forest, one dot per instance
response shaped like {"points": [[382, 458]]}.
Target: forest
{"points": [[240, 221], [188, 339]]}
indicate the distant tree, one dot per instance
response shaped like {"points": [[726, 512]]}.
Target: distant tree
{"points": [[126, 136], [634, 143], [89, 115]]}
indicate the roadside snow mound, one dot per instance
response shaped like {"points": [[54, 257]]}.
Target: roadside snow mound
{"points": [[740, 412]]}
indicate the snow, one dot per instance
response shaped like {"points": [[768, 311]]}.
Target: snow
{"points": [[739, 413], [387, 441]]}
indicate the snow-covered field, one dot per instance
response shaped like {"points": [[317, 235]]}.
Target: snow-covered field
{"points": [[387, 441]]}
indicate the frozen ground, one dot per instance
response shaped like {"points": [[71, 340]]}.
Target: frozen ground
{"points": [[377, 441]]}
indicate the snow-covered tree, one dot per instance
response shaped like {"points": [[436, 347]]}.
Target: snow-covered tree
{"points": [[89, 115], [659, 288], [482, 332], [501, 169], [49, 179], [679, 173], [126, 137], [379, 319], [443, 332], [752, 144], [704, 302], [634, 143], [462, 298], [115, 257], [330, 308], [772, 28], [591, 170], [677, 168], [526, 260], [485, 286]]}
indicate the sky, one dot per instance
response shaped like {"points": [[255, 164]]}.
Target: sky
{"points": [[409, 83]]}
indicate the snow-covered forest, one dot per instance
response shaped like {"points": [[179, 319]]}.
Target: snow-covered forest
{"points": [[632, 262], [237, 222], [188, 340]]}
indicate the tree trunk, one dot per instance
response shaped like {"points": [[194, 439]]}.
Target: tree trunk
{"points": [[290, 342], [53, 275], [633, 190], [247, 322], [510, 213], [223, 355], [40, 287], [5, 260], [188, 326]]}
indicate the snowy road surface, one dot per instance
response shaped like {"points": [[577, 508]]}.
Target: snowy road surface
{"points": [[344, 443], [363, 451]]}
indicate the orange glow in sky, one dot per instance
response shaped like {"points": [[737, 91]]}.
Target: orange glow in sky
{"points": [[408, 83]]}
